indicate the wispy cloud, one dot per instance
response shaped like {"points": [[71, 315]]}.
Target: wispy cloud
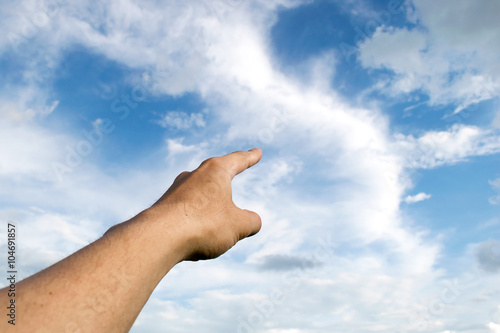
{"points": [[332, 168], [417, 198], [181, 120], [496, 186], [436, 148], [442, 60]]}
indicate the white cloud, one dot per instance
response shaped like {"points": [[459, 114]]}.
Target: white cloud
{"points": [[453, 58], [374, 265], [181, 120], [51, 236], [417, 198], [496, 185], [494, 328], [396, 49], [490, 223], [436, 148], [28, 151], [176, 147], [494, 325], [465, 25], [496, 121], [24, 103]]}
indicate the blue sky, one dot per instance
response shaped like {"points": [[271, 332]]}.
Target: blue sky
{"points": [[380, 125]]}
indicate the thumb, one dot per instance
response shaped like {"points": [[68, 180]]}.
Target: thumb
{"points": [[250, 223]]}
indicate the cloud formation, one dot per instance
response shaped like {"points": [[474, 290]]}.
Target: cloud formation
{"points": [[488, 256], [417, 198], [496, 186], [436, 148], [181, 120], [451, 62], [330, 187]]}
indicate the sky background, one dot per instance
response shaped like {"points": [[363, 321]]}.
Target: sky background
{"points": [[379, 186]]}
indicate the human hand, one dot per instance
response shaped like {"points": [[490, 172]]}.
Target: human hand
{"points": [[103, 286], [210, 223]]}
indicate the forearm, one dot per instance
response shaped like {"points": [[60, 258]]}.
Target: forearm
{"points": [[102, 287]]}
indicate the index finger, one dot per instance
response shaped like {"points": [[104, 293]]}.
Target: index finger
{"points": [[239, 161]]}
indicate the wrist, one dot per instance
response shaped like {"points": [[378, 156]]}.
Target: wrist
{"points": [[151, 240], [165, 231]]}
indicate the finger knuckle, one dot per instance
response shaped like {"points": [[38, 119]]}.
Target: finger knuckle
{"points": [[213, 162]]}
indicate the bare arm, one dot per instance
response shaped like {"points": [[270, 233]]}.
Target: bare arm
{"points": [[104, 286]]}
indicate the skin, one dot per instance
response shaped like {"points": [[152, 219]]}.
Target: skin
{"points": [[103, 286]]}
